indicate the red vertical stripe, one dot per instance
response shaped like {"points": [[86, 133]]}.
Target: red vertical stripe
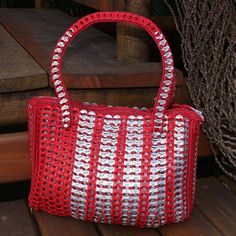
{"points": [[170, 173], [116, 210], [191, 166], [145, 174]]}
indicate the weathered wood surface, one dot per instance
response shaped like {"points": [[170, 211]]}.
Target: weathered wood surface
{"points": [[132, 43], [134, 97], [198, 225], [90, 61], [63, 226], [165, 23], [120, 230], [15, 219], [104, 5], [13, 106], [18, 70], [217, 204], [228, 183], [14, 157]]}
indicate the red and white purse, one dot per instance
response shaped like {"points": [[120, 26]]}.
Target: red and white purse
{"points": [[115, 165]]}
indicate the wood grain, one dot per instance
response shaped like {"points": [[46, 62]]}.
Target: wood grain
{"points": [[18, 70], [196, 226], [104, 5], [13, 106], [14, 157], [217, 204], [228, 183], [121, 230], [82, 69], [132, 43], [63, 226], [15, 219], [133, 97]]}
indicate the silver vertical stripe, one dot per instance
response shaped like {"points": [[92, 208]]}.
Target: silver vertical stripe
{"points": [[106, 167], [132, 170], [181, 156], [81, 164], [156, 215]]}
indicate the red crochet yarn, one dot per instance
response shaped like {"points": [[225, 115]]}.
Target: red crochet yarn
{"points": [[116, 165]]}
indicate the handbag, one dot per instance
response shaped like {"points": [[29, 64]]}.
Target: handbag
{"points": [[116, 165]]}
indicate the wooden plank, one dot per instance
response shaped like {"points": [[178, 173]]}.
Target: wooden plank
{"points": [[63, 226], [117, 97], [104, 5], [228, 183], [13, 106], [16, 220], [14, 157], [81, 68], [133, 97], [18, 70], [132, 44], [196, 226], [217, 204], [121, 230]]}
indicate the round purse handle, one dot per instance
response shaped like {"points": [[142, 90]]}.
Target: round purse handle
{"points": [[167, 87]]}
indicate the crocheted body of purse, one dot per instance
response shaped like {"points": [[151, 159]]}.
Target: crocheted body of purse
{"points": [[115, 165]]}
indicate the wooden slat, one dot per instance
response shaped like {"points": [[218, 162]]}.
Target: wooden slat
{"points": [[14, 157], [228, 183], [63, 226], [121, 230], [217, 203], [18, 70], [132, 43], [104, 5], [90, 61], [13, 106], [196, 226], [15, 219], [165, 23]]}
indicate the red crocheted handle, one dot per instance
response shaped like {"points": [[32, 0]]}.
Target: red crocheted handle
{"points": [[166, 90]]}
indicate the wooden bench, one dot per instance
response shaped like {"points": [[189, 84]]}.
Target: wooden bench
{"points": [[27, 40], [214, 214]]}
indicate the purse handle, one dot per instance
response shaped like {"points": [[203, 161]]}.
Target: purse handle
{"points": [[167, 87]]}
